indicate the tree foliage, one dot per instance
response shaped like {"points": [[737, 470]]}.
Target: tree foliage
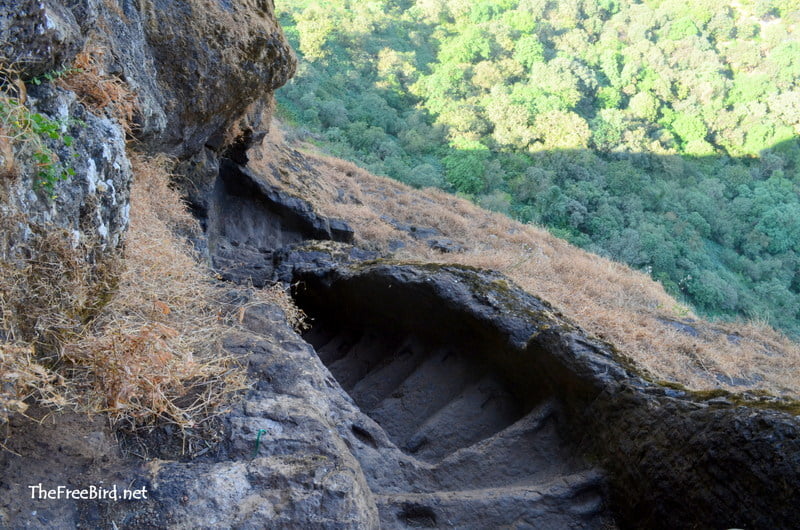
{"points": [[660, 133]]}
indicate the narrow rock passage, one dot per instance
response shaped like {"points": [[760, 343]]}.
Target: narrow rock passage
{"points": [[429, 403]]}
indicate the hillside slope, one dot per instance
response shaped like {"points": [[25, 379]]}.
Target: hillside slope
{"points": [[148, 342], [657, 133], [610, 300]]}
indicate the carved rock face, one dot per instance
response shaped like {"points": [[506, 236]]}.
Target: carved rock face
{"points": [[463, 371]]}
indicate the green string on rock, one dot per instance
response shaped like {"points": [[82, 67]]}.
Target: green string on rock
{"points": [[258, 441]]}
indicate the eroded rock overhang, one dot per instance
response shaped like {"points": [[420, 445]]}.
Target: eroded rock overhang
{"points": [[671, 457]]}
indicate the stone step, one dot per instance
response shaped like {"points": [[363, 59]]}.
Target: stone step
{"points": [[530, 450], [480, 411], [323, 337], [572, 501], [385, 378], [335, 347], [432, 385], [362, 355]]}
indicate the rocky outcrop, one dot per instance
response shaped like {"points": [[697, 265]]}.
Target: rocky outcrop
{"points": [[92, 208], [202, 72], [197, 67], [403, 340], [475, 404], [450, 398]]}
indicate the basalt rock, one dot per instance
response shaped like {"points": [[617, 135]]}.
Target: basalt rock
{"points": [[92, 207], [203, 74], [38, 37], [207, 65], [248, 219], [203, 71], [458, 367]]}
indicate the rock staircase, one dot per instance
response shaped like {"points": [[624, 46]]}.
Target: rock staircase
{"points": [[483, 459]]}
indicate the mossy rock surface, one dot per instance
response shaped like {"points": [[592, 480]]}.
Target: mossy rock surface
{"points": [[673, 457]]}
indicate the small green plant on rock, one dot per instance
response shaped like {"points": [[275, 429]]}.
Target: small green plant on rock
{"points": [[49, 77], [24, 133]]}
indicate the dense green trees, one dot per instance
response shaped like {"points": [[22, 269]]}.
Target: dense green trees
{"points": [[660, 132]]}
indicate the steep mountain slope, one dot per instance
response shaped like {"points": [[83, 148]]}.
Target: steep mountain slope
{"points": [[658, 133], [609, 300]]}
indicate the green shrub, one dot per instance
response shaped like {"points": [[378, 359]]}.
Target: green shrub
{"points": [[28, 135]]}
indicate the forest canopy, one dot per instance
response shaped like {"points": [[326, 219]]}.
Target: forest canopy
{"points": [[660, 133]]}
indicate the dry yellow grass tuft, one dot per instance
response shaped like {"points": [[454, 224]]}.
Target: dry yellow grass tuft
{"points": [[278, 294], [609, 300], [137, 336], [48, 289], [99, 91], [23, 378], [154, 353]]}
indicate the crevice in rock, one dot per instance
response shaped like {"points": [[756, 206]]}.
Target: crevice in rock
{"points": [[415, 516], [248, 212], [247, 220], [364, 435]]}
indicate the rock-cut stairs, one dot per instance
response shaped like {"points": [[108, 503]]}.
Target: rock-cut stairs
{"points": [[481, 458]]}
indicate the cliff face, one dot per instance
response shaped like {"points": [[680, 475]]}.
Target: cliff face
{"points": [[202, 73], [184, 80], [196, 67]]}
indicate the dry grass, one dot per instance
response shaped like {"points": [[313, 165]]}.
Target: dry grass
{"points": [[609, 300], [155, 354], [137, 336], [102, 93], [23, 378], [49, 288], [49, 284], [278, 294], [10, 104]]}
